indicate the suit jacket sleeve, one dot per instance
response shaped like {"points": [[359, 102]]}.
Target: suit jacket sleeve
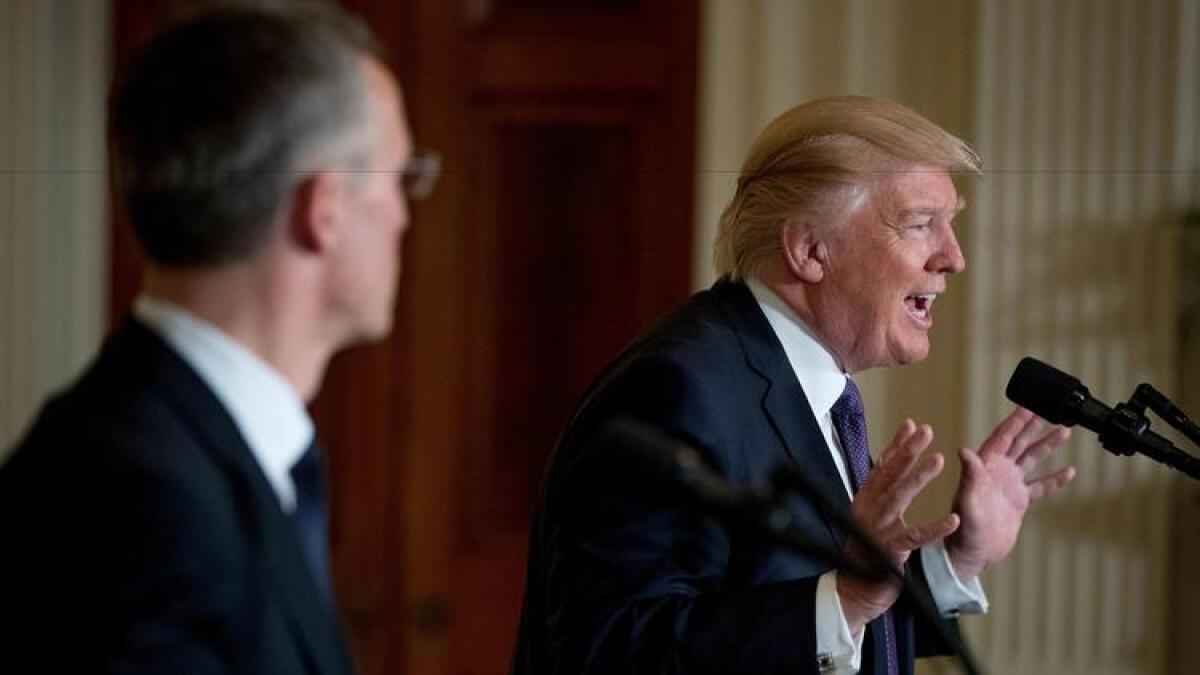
{"points": [[637, 584]]}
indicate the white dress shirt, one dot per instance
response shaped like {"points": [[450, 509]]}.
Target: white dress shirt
{"points": [[266, 409], [823, 383]]}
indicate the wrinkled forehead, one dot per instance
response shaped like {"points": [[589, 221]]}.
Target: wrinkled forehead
{"points": [[921, 188]]}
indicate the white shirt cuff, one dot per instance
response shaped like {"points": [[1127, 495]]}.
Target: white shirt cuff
{"points": [[837, 650], [951, 595]]}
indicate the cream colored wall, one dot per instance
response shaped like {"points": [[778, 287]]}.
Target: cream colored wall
{"points": [[53, 210], [1086, 114]]}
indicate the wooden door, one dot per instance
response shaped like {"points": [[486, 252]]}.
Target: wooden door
{"points": [[562, 224], [568, 130]]}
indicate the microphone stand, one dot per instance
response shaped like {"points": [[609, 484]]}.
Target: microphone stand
{"points": [[1128, 424], [1146, 396], [765, 512], [658, 458]]}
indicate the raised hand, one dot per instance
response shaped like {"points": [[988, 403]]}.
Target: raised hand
{"points": [[993, 493], [899, 476]]}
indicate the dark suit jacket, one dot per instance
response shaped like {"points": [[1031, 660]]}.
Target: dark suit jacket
{"points": [[620, 581], [140, 535]]}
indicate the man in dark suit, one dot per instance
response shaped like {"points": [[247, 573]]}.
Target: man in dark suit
{"points": [[832, 251], [165, 514]]}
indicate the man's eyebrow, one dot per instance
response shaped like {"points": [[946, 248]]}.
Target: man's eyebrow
{"points": [[933, 210], [919, 211]]}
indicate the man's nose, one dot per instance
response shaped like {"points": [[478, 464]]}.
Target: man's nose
{"points": [[949, 258]]}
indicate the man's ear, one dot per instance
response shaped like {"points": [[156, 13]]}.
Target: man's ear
{"points": [[806, 255], [316, 206]]}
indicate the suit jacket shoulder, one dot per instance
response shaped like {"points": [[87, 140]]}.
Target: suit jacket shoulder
{"points": [[137, 504], [621, 580]]}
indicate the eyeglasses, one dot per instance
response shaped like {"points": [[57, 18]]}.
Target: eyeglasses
{"points": [[420, 174]]}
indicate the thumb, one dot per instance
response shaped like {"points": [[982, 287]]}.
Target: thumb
{"points": [[972, 465], [945, 526]]}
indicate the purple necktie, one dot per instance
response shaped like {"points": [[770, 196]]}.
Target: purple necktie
{"points": [[851, 425]]}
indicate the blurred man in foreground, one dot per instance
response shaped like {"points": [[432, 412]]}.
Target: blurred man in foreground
{"points": [[166, 513], [833, 250]]}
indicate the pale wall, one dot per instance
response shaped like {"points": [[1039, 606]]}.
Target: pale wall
{"points": [[53, 208]]}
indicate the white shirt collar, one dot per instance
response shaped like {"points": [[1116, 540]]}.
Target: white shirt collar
{"points": [[266, 409], [819, 375]]}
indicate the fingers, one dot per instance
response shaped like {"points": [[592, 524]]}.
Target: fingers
{"points": [[1006, 432], [910, 441], [1054, 439], [912, 482], [972, 465], [919, 535], [1050, 483], [902, 472], [906, 430], [1024, 438]]}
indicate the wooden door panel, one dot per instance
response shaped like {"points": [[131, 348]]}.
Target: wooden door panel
{"points": [[561, 226], [565, 215], [572, 4], [561, 65], [555, 281], [605, 19]]}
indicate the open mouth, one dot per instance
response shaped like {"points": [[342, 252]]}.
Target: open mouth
{"points": [[919, 306]]}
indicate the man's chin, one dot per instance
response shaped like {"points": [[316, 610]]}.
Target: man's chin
{"points": [[367, 334], [378, 332], [914, 352]]}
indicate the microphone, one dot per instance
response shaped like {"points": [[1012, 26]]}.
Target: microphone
{"points": [[1060, 398], [1055, 396]]}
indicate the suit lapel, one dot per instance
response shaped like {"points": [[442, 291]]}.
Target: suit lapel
{"points": [[786, 406], [784, 403], [281, 559]]}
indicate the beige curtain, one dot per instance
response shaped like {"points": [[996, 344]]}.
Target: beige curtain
{"points": [[53, 209]]}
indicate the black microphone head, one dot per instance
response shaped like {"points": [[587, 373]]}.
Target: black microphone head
{"points": [[1049, 392]]}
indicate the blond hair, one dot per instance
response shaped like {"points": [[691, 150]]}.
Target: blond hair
{"points": [[814, 159]]}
